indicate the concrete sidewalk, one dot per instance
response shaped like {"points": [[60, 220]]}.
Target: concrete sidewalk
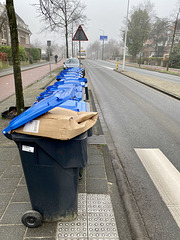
{"points": [[101, 213], [9, 70]]}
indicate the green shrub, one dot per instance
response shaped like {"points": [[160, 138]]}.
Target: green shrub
{"points": [[35, 53], [7, 49], [156, 60], [22, 54], [175, 57]]}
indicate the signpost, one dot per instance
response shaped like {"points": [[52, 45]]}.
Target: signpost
{"points": [[103, 38], [80, 36], [49, 44]]}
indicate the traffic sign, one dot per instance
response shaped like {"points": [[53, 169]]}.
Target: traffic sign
{"points": [[80, 35], [104, 38]]}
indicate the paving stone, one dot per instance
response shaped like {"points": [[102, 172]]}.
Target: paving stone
{"points": [[23, 181], [74, 229], [102, 225], [16, 160], [21, 194], [8, 185], [7, 154], [12, 232], [39, 238], [81, 188], [97, 186], [95, 159], [13, 171], [96, 171], [4, 201], [14, 213], [3, 166], [94, 150], [47, 230]]}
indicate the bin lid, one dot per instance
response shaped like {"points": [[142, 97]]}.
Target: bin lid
{"points": [[78, 96], [74, 105], [39, 108]]}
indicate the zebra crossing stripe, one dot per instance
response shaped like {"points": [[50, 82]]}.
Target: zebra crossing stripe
{"points": [[165, 177]]}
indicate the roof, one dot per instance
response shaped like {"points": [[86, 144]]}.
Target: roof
{"points": [[22, 25]]}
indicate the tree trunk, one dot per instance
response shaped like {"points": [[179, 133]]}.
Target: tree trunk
{"points": [[67, 53], [15, 56], [172, 44]]}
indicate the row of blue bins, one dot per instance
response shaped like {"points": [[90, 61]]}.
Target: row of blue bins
{"points": [[67, 92], [52, 167], [69, 79]]}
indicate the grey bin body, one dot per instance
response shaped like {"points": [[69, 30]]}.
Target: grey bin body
{"points": [[51, 169]]}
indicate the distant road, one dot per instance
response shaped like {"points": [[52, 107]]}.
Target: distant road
{"points": [[164, 76]]}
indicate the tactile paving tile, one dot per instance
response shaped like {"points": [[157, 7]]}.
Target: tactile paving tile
{"points": [[74, 229], [99, 203], [95, 220], [82, 208], [102, 225]]}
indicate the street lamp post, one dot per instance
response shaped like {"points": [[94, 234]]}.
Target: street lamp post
{"points": [[125, 40], [49, 44]]}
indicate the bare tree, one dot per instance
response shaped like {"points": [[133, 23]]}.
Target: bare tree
{"points": [[60, 14], [4, 23], [172, 44], [159, 34], [15, 56], [93, 50]]}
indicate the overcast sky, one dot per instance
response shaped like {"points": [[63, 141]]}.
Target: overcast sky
{"points": [[107, 15]]}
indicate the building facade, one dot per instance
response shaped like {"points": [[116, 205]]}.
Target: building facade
{"points": [[23, 29]]}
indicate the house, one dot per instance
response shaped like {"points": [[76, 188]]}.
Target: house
{"points": [[162, 47], [23, 32], [23, 29]]}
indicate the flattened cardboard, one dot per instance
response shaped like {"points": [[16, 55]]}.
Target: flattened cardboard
{"points": [[59, 123]]}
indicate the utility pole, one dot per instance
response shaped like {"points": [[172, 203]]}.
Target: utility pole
{"points": [[125, 40]]}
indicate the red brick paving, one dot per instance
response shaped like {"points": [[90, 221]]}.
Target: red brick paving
{"points": [[28, 77]]}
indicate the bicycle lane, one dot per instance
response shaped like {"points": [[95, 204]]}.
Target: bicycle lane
{"points": [[7, 87]]}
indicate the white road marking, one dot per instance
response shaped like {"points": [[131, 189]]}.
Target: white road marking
{"points": [[165, 177], [99, 66], [107, 67]]}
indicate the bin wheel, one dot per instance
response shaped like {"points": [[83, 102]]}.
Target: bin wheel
{"points": [[32, 219]]}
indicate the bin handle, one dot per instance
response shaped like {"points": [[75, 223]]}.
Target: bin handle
{"points": [[8, 135]]}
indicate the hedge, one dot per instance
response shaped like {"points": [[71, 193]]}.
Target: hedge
{"points": [[150, 61], [25, 53], [7, 49], [35, 53]]}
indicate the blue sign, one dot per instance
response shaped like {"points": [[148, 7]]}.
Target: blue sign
{"points": [[104, 38]]}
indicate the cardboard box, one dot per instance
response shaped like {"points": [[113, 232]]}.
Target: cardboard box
{"points": [[59, 123]]}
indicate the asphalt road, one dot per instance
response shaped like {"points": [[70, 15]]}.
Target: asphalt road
{"points": [[164, 76], [139, 117]]}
